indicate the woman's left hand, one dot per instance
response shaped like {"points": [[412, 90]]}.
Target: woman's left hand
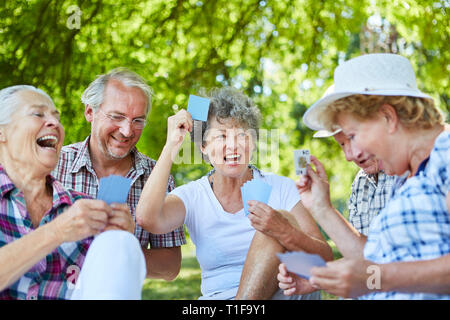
{"points": [[120, 218], [267, 220]]}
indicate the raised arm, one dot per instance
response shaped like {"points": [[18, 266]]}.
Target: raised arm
{"points": [[155, 212], [315, 194]]}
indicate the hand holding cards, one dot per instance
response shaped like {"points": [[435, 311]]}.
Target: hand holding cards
{"points": [[301, 161], [255, 189], [301, 263], [198, 107]]}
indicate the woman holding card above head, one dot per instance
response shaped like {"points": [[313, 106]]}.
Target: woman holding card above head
{"points": [[406, 255], [213, 210], [46, 230]]}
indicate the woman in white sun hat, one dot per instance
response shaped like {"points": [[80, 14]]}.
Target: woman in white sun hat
{"points": [[377, 105]]}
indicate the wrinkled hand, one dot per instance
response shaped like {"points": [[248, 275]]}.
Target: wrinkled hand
{"points": [[267, 220], [291, 284], [314, 188], [120, 218], [177, 127], [346, 278], [83, 219]]}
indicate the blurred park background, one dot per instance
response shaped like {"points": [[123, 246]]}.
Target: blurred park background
{"points": [[281, 53]]}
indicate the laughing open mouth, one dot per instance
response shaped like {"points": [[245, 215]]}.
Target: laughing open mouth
{"points": [[47, 142], [232, 158]]}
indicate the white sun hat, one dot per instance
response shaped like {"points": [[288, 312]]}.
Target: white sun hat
{"points": [[380, 74], [323, 133]]}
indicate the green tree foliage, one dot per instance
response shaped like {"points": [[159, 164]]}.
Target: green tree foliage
{"points": [[281, 53]]}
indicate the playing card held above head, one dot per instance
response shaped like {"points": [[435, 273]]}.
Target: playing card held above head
{"points": [[198, 107]]}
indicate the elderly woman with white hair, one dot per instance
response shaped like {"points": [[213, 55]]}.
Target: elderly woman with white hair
{"points": [[377, 105], [212, 206], [46, 231]]}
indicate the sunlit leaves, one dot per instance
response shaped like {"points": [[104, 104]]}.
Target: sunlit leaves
{"points": [[281, 53]]}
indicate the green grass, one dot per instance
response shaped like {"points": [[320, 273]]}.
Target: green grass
{"points": [[187, 285]]}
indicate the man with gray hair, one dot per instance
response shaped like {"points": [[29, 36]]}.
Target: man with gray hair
{"points": [[117, 105]]}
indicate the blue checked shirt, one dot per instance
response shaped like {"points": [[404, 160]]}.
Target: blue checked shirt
{"points": [[415, 224], [369, 195]]}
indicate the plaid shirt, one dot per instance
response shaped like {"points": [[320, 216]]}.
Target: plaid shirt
{"points": [[49, 278], [415, 225], [368, 197], [76, 172]]}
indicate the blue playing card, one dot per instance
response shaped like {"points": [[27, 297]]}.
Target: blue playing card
{"points": [[300, 262], [198, 107], [255, 189], [114, 189]]}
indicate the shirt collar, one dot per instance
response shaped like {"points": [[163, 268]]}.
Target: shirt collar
{"points": [[377, 178], [422, 166], [60, 194], [83, 158], [373, 178], [140, 162], [6, 185]]}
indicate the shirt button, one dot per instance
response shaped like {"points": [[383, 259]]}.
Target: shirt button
{"points": [[32, 298]]}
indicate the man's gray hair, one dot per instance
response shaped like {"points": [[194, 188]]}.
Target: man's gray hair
{"points": [[228, 103], [93, 95], [9, 103]]}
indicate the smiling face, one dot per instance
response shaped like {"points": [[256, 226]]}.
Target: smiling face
{"points": [[374, 138], [34, 137], [229, 147], [362, 159], [112, 139]]}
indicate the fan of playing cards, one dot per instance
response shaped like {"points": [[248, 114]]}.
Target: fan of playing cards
{"points": [[114, 189], [255, 189]]}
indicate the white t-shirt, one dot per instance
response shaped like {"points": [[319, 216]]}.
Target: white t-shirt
{"points": [[222, 239]]}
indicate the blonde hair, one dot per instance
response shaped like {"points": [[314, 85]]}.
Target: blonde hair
{"points": [[420, 113]]}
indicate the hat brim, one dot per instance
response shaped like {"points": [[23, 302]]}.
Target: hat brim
{"points": [[312, 116], [326, 133]]}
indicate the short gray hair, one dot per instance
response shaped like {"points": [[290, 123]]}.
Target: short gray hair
{"points": [[93, 95], [228, 103], [9, 103]]}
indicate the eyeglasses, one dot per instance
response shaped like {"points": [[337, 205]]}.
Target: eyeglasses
{"points": [[118, 119]]}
